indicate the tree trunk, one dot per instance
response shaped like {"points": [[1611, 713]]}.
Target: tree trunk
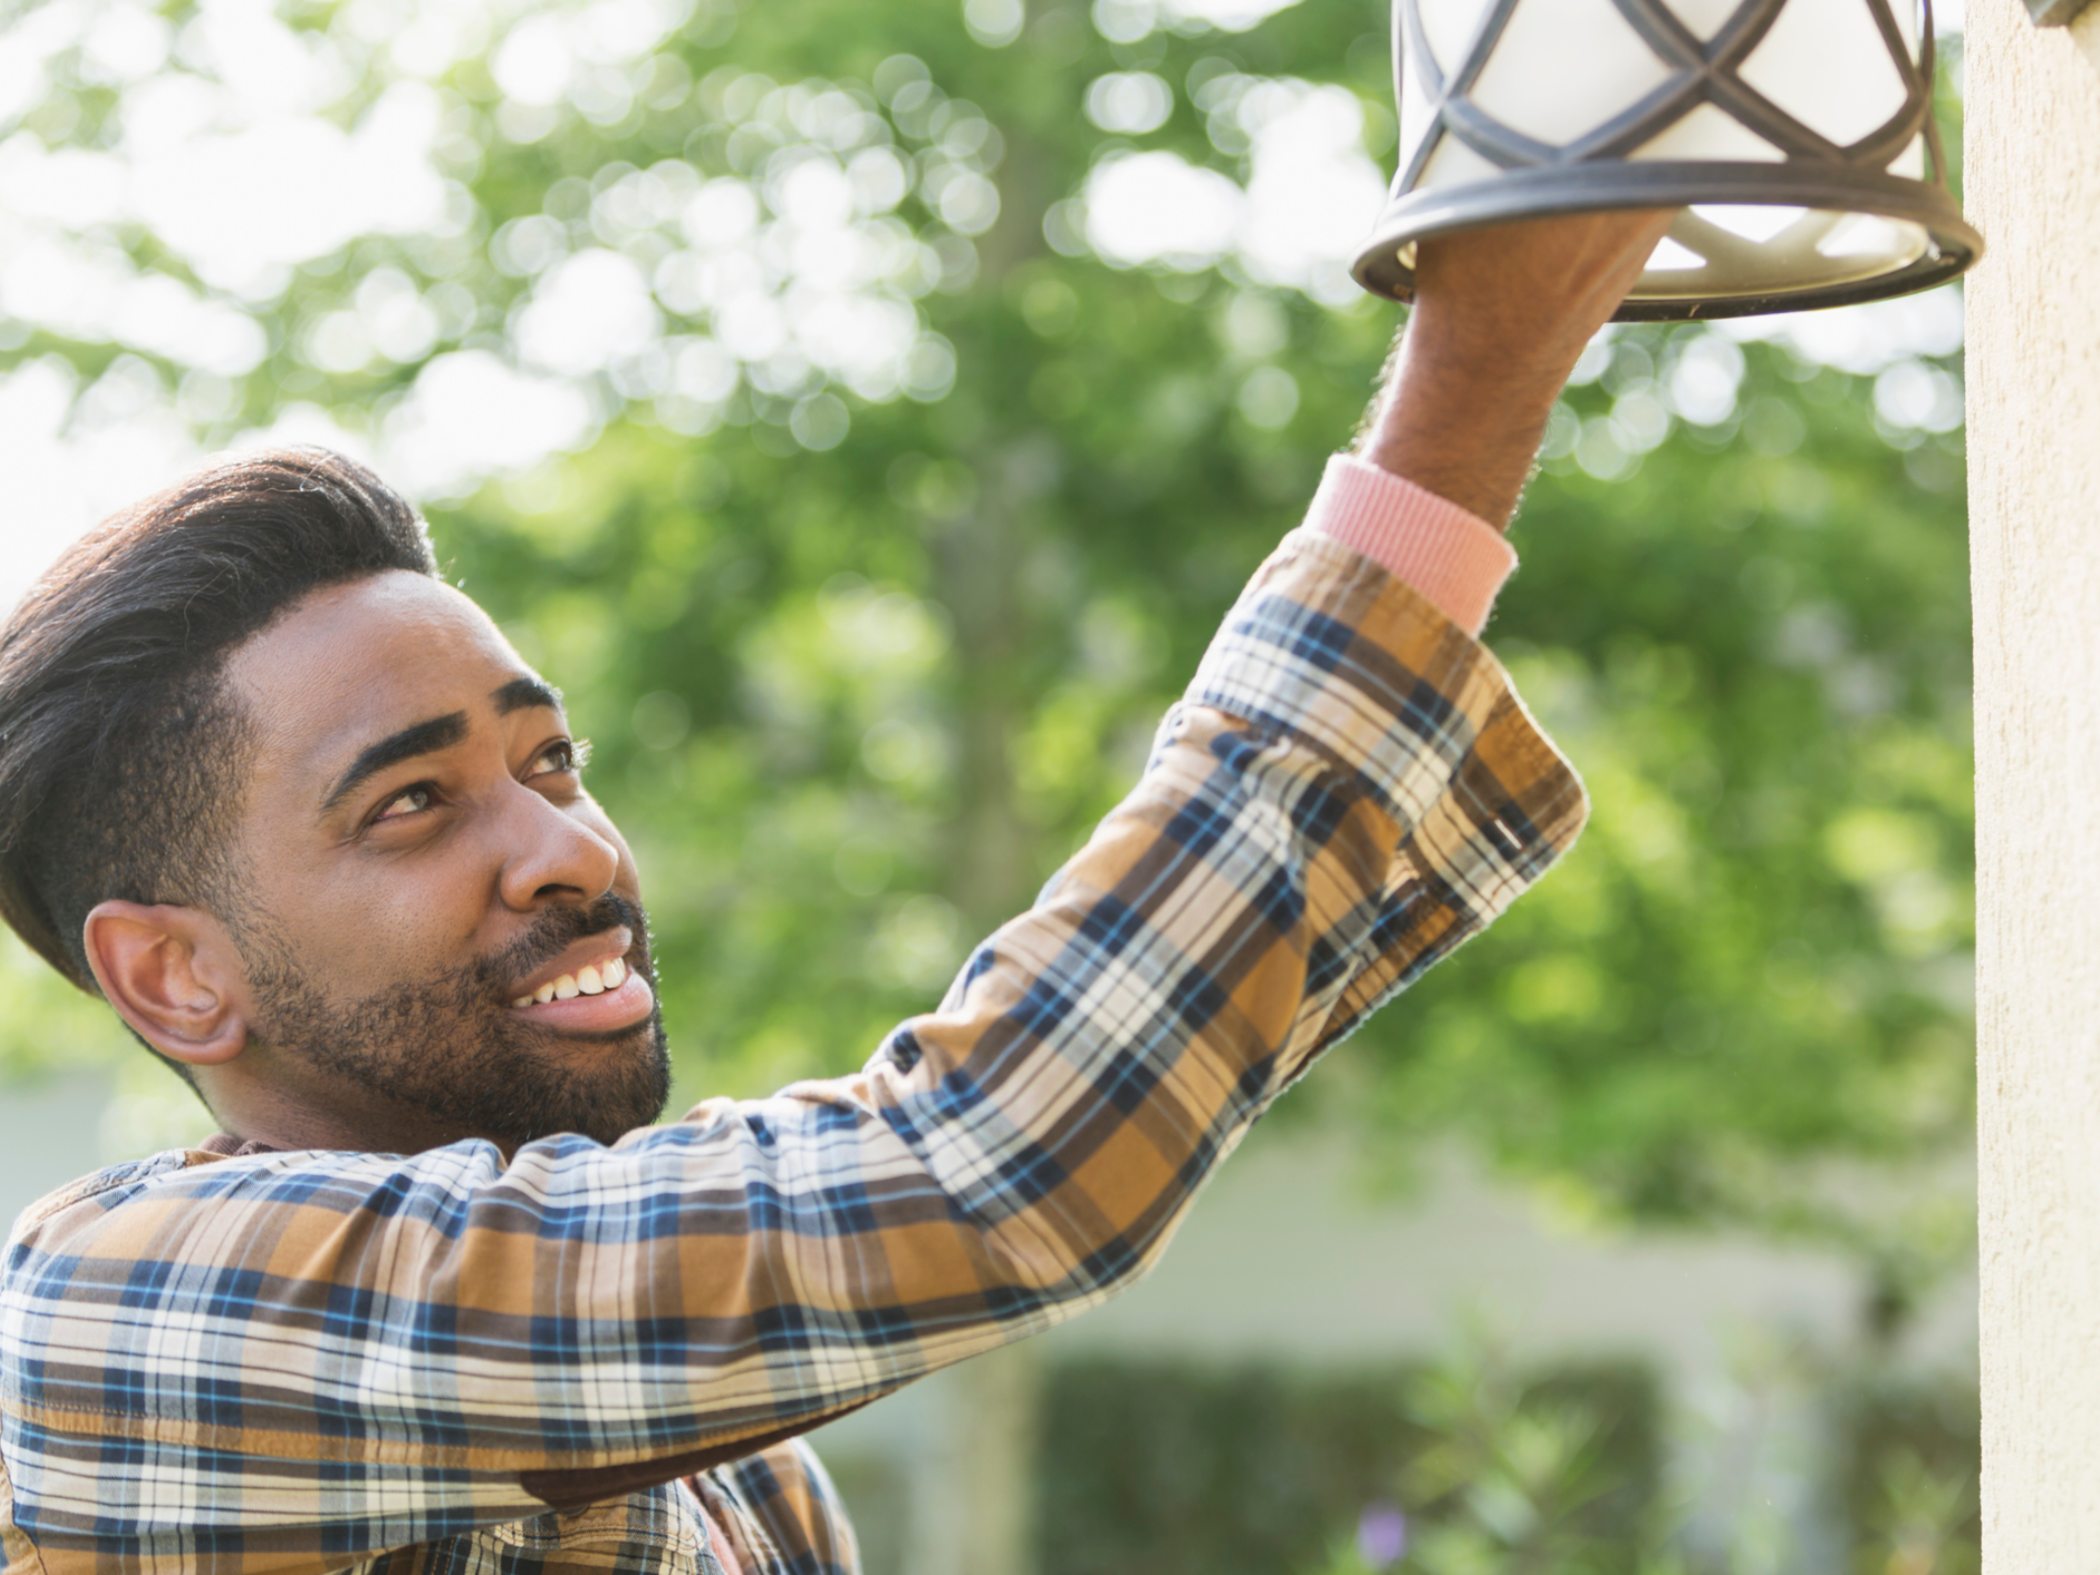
{"points": [[971, 1505]]}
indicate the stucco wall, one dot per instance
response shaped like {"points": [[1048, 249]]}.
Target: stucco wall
{"points": [[2033, 186]]}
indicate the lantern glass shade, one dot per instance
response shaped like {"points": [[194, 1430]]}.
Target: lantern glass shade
{"points": [[1795, 136]]}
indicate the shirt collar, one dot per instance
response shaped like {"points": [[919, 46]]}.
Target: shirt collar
{"points": [[227, 1146]]}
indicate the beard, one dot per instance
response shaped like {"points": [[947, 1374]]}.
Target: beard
{"points": [[451, 1050]]}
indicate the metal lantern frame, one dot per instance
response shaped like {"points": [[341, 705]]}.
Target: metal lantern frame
{"points": [[1593, 172]]}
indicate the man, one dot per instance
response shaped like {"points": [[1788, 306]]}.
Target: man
{"points": [[438, 1297]]}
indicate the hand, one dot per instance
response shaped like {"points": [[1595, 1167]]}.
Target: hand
{"points": [[1530, 294], [1501, 315]]}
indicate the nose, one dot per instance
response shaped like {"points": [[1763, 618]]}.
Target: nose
{"points": [[550, 855]]}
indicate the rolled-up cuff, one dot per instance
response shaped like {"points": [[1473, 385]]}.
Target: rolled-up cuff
{"points": [[1451, 555]]}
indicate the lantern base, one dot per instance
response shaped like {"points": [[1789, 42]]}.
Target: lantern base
{"points": [[1926, 243]]}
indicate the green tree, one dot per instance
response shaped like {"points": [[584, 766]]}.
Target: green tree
{"points": [[881, 514]]}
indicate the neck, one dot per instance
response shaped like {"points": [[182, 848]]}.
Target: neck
{"points": [[264, 1113]]}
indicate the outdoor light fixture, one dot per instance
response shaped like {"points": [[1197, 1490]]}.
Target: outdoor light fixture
{"points": [[1796, 135]]}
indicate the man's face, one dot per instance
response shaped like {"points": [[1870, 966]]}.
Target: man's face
{"points": [[418, 855]]}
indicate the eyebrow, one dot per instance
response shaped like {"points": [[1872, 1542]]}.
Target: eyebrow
{"points": [[522, 694], [433, 734]]}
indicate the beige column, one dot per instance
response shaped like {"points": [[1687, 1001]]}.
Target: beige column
{"points": [[2033, 187]]}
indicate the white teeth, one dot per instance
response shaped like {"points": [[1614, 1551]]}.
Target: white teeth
{"points": [[588, 980]]}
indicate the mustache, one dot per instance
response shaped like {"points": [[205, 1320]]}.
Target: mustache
{"points": [[555, 931]]}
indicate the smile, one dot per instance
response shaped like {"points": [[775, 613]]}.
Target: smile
{"points": [[602, 995], [590, 979]]}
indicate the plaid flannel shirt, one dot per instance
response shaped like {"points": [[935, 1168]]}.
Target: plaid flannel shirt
{"points": [[320, 1361]]}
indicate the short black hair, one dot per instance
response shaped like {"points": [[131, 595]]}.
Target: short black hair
{"points": [[120, 750]]}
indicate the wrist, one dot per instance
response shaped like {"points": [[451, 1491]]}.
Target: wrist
{"points": [[1464, 420]]}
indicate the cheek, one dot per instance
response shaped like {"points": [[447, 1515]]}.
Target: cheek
{"points": [[371, 922]]}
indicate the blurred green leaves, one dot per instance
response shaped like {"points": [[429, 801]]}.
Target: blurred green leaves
{"points": [[769, 380], [1500, 1473]]}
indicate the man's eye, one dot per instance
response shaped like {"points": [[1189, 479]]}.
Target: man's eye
{"points": [[417, 798], [564, 755]]}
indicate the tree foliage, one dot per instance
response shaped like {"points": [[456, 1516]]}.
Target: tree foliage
{"points": [[867, 642]]}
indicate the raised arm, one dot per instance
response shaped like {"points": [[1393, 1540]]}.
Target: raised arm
{"points": [[1347, 791]]}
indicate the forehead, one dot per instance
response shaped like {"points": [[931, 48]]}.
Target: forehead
{"points": [[352, 662]]}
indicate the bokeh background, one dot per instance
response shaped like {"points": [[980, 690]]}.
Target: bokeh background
{"points": [[865, 411]]}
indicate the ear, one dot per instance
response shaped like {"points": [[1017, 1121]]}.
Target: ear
{"points": [[172, 973]]}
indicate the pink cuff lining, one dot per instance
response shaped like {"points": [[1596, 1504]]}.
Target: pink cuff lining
{"points": [[1451, 555]]}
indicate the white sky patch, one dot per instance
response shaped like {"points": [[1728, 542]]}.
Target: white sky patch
{"points": [[128, 42], [812, 193], [722, 213], [470, 416], [64, 474], [534, 63], [1314, 193], [587, 312], [1127, 21], [241, 181], [75, 454], [538, 59], [1232, 16], [1864, 339], [536, 41], [303, 422], [864, 339], [1158, 207], [617, 30], [33, 37], [427, 38], [264, 65], [71, 188], [242, 204], [91, 292], [1311, 196]]}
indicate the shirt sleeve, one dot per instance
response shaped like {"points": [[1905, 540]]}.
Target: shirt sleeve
{"points": [[1448, 553], [357, 1351]]}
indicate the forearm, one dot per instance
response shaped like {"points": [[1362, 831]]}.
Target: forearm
{"points": [[1460, 428]]}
